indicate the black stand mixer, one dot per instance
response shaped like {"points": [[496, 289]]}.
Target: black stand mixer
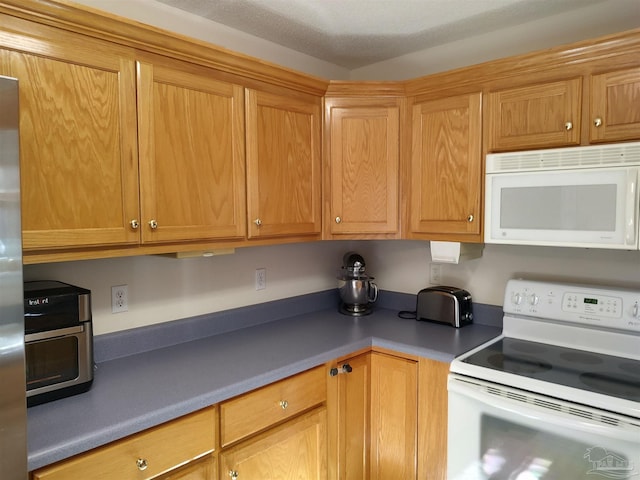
{"points": [[357, 291]]}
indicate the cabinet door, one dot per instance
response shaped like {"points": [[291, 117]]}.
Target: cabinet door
{"points": [[446, 169], [363, 162], [394, 412], [615, 111], [350, 403], [432, 419], [283, 165], [192, 165], [79, 165], [537, 116], [295, 450]]}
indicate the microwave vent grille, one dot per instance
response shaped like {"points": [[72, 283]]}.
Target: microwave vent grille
{"points": [[624, 154]]}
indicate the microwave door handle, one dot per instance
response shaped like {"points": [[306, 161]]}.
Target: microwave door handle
{"points": [[541, 414], [632, 207]]}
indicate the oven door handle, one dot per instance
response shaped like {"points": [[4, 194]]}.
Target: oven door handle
{"points": [[552, 411]]}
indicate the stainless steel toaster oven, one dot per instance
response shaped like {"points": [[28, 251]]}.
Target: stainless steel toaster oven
{"points": [[58, 340]]}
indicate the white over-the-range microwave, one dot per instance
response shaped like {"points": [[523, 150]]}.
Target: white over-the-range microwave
{"points": [[572, 197]]}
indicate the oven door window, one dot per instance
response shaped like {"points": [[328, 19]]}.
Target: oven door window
{"points": [[498, 433], [51, 361]]}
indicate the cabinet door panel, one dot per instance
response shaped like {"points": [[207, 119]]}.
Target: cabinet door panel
{"points": [[394, 411], [432, 419], [615, 97], [446, 167], [79, 168], [295, 450], [364, 163], [537, 116], [191, 134], [283, 165]]}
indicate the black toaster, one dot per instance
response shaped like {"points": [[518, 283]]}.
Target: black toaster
{"points": [[442, 304]]}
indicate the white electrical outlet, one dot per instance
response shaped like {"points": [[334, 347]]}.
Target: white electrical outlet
{"points": [[261, 278], [435, 274], [119, 298]]}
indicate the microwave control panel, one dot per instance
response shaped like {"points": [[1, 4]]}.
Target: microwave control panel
{"points": [[590, 305]]}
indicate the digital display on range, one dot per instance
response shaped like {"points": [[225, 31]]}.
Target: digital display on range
{"points": [[593, 301]]}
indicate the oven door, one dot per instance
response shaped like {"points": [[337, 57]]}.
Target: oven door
{"points": [[500, 433]]}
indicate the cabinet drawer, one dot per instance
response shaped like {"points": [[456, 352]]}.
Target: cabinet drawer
{"points": [[161, 448], [257, 410]]}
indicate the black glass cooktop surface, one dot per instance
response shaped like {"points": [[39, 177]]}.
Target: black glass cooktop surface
{"points": [[605, 374]]}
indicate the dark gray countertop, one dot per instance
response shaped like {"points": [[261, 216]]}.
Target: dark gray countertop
{"points": [[136, 392]]}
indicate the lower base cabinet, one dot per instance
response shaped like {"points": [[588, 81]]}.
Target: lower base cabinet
{"points": [[295, 450], [374, 418]]}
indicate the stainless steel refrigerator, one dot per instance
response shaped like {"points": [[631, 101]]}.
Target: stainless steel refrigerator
{"points": [[13, 404]]}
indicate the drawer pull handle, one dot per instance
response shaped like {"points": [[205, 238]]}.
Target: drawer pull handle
{"points": [[284, 404], [233, 474], [470, 218], [597, 122], [346, 368], [153, 224], [257, 222], [568, 126], [338, 219], [134, 224], [141, 463]]}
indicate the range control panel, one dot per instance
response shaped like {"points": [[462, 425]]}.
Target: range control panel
{"points": [[607, 307]]}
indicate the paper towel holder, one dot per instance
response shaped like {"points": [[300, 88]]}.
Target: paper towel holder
{"points": [[455, 252]]}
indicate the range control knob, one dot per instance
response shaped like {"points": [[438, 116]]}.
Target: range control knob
{"points": [[534, 299], [635, 310], [516, 298]]}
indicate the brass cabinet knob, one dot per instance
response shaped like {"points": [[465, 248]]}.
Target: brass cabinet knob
{"points": [[141, 463], [568, 126], [153, 224], [470, 218], [233, 474], [258, 222], [134, 224], [597, 122], [284, 404], [338, 220]]}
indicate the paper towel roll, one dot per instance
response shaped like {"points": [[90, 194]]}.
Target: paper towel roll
{"points": [[454, 252]]}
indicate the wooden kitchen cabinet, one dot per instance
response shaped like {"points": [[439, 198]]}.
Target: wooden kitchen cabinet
{"points": [[535, 116], [432, 419], [150, 454], [79, 157], [363, 154], [446, 169], [192, 162], [283, 164], [374, 418], [294, 450], [614, 106]]}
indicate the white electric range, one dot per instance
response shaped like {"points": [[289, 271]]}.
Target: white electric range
{"points": [[557, 395]]}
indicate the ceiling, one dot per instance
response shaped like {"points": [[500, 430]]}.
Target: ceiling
{"points": [[356, 33]]}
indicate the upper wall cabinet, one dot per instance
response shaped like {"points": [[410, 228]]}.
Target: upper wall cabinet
{"points": [[192, 162], [363, 154], [79, 159], [283, 164], [615, 106], [446, 169], [536, 116]]}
